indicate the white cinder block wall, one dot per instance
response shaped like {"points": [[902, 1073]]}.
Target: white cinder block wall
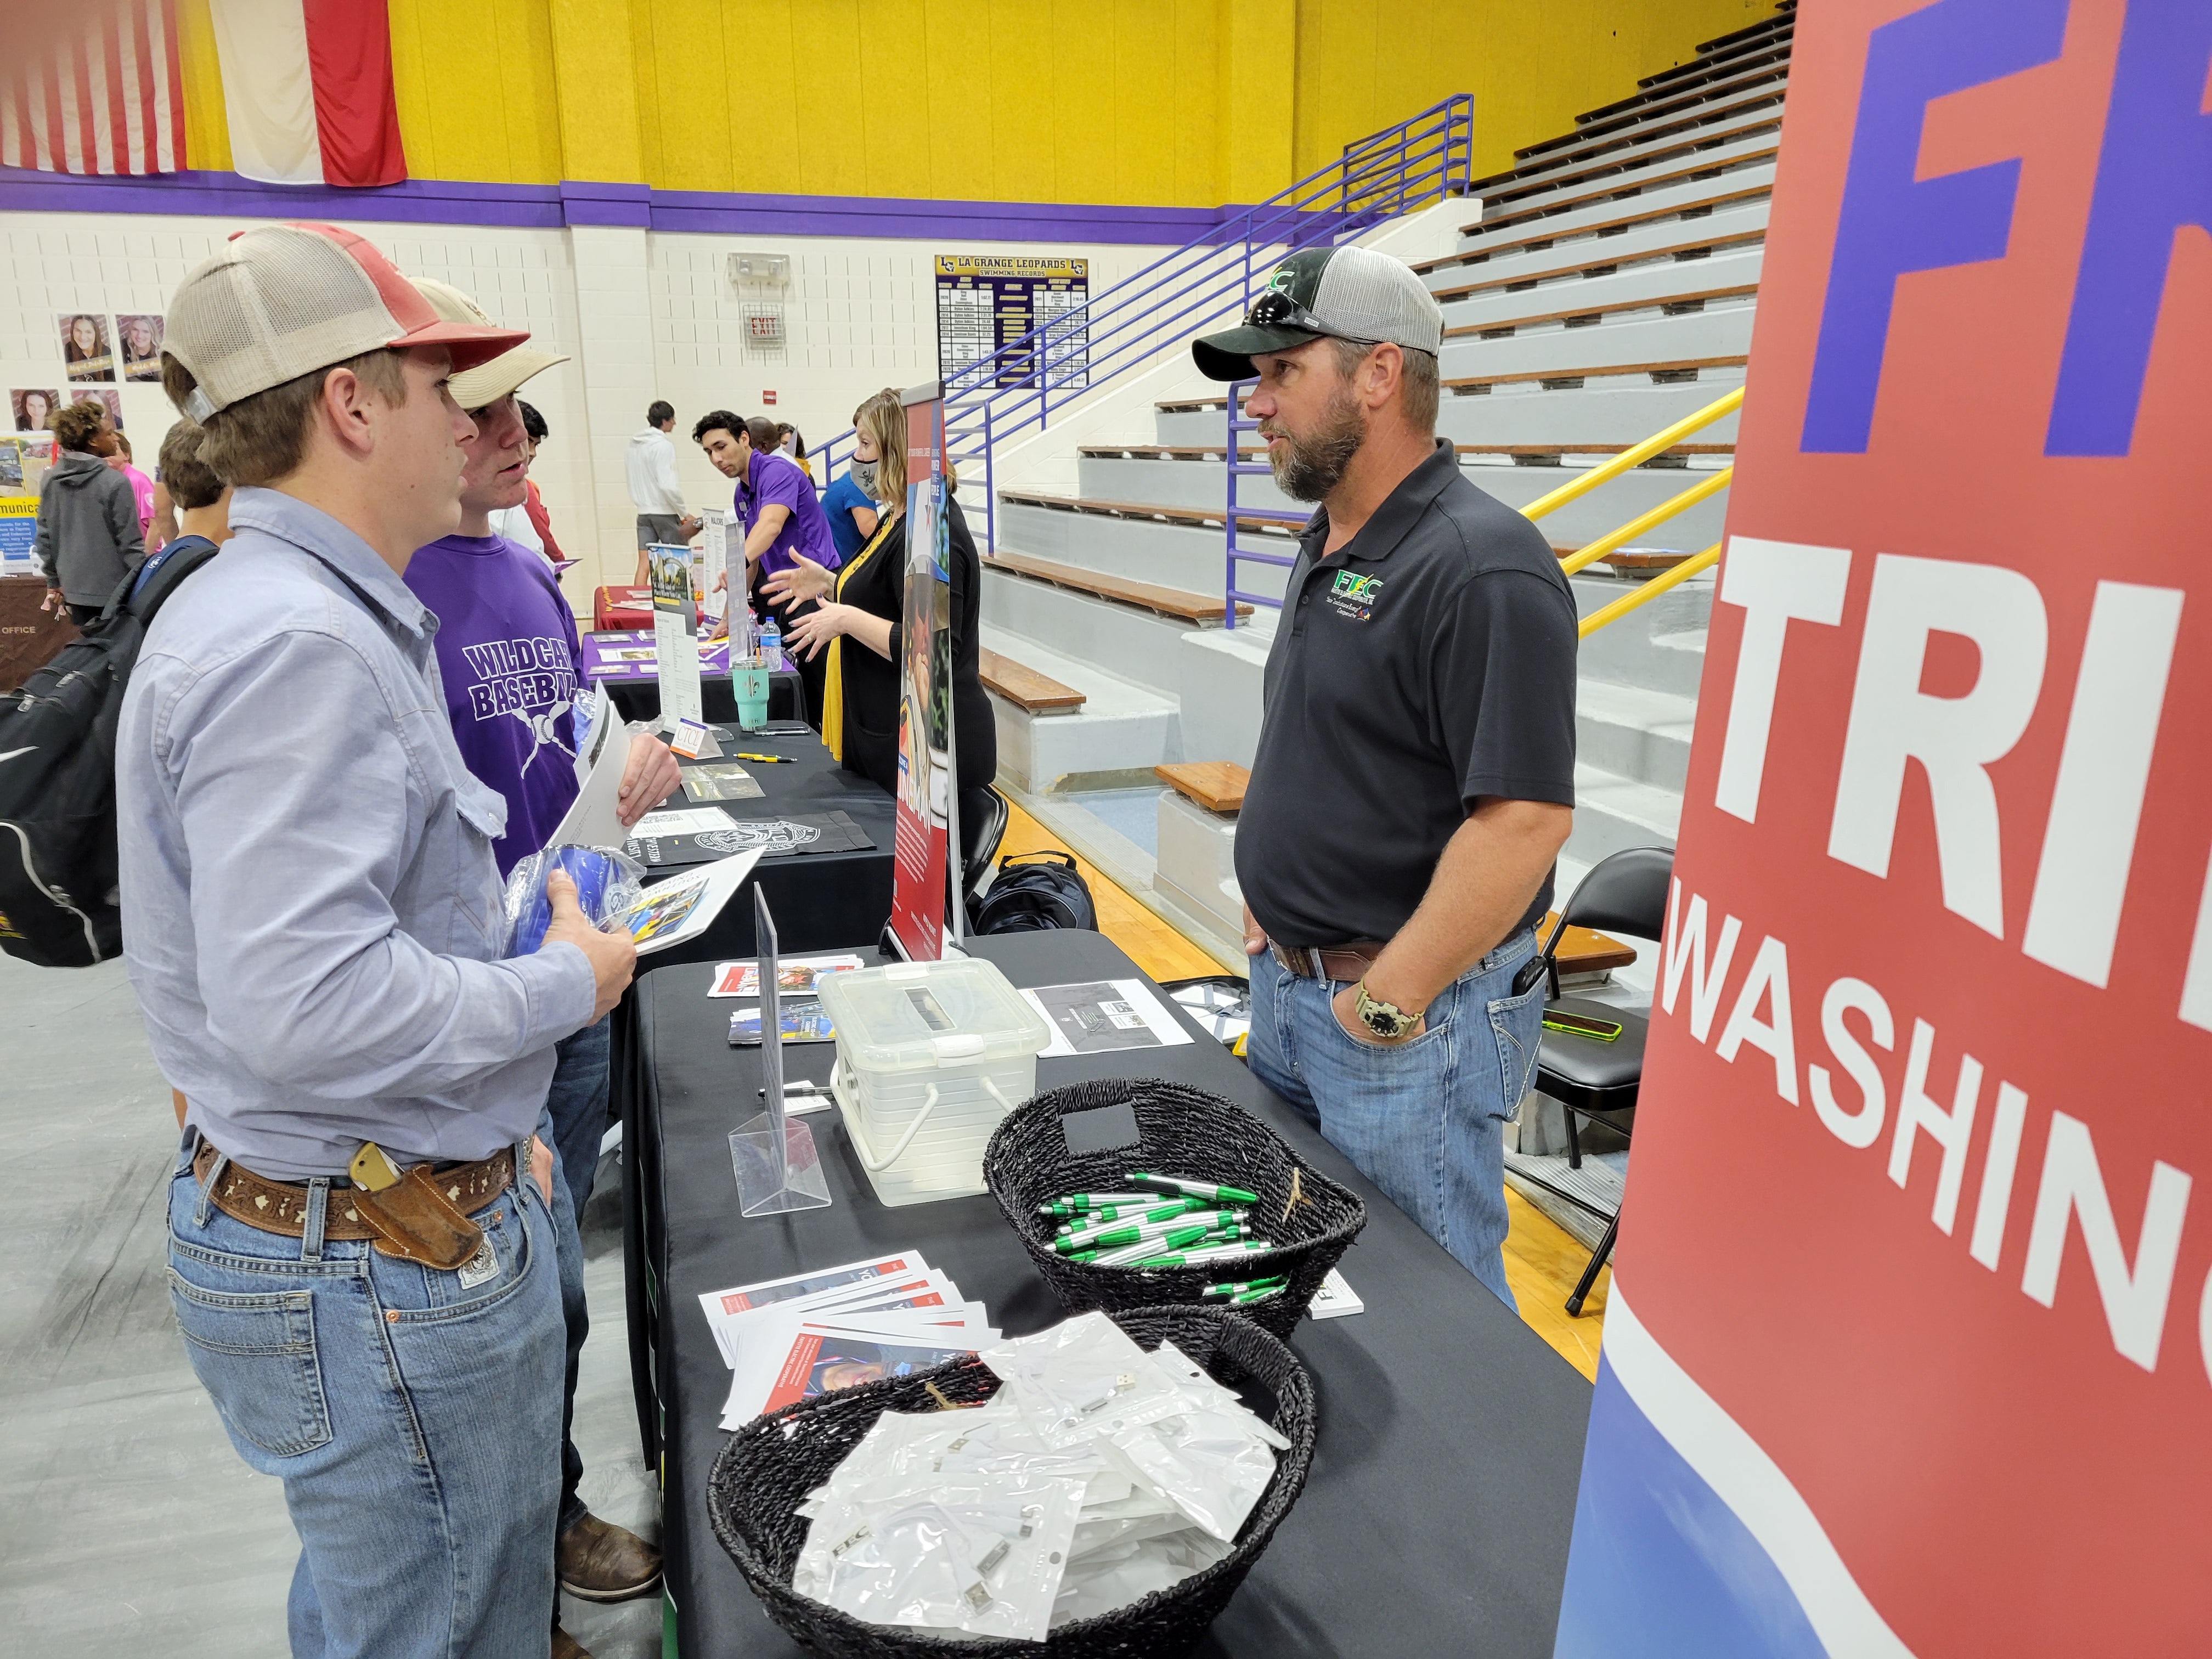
{"points": [[642, 314]]}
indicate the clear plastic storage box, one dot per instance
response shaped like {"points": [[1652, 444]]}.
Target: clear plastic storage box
{"points": [[931, 1056]]}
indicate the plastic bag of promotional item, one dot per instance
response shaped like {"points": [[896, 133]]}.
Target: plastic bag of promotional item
{"points": [[1108, 1580], [1084, 1380], [1207, 1463], [606, 882], [984, 1555]]}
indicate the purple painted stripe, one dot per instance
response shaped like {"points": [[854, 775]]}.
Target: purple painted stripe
{"points": [[549, 207]]}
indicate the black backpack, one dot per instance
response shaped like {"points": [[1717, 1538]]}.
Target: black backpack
{"points": [[1034, 897], [58, 907]]}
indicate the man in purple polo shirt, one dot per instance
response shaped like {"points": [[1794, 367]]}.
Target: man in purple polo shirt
{"points": [[781, 515], [507, 649]]}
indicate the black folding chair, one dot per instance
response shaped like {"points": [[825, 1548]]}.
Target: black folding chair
{"points": [[1590, 1076]]}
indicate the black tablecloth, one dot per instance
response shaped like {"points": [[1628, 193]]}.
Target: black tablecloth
{"points": [[821, 900], [639, 699], [1436, 1516]]}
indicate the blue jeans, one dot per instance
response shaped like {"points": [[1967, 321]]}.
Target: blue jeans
{"points": [[1421, 1119], [574, 1122], [411, 1418]]}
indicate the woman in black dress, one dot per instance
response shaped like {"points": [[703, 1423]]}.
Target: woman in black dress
{"points": [[860, 622]]}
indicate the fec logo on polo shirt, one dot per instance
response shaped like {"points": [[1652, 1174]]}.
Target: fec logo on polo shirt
{"points": [[1354, 596]]}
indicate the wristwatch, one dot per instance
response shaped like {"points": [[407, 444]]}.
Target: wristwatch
{"points": [[1387, 1020]]}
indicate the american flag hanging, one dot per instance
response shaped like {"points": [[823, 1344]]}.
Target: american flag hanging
{"points": [[94, 86]]}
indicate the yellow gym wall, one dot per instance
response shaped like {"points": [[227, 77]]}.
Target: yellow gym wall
{"points": [[1179, 103]]}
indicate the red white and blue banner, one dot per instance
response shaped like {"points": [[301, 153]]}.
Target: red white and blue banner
{"points": [[92, 88], [1910, 1345]]}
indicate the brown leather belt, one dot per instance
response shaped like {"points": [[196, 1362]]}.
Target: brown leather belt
{"points": [[281, 1206], [1337, 961]]}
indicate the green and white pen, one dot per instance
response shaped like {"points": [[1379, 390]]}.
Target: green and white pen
{"points": [[1130, 1215], [1245, 1298], [1107, 1233], [1076, 1203], [1132, 1248], [1274, 1283], [1196, 1189], [1194, 1258]]}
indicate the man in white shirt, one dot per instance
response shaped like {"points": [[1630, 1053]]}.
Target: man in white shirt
{"points": [[653, 488]]}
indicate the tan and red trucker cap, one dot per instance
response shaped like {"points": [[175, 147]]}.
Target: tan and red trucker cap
{"points": [[282, 301]]}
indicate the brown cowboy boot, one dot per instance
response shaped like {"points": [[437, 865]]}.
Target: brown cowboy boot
{"points": [[597, 1561]]}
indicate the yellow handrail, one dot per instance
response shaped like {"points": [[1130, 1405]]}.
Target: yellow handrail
{"points": [[1628, 458], [1649, 591], [1711, 485]]}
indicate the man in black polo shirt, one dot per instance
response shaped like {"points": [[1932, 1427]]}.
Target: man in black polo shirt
{"points": [[1415, 776]]}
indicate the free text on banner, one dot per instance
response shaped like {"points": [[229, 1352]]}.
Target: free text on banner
{"points": [[1910, 1349], [920, 841]]}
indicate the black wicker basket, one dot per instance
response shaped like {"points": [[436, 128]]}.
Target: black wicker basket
{"points": [[1185, 1132], [768, 1467]]}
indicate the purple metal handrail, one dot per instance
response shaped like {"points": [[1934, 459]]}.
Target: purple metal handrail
{"points": [[1237, 389], [1424, 159]]}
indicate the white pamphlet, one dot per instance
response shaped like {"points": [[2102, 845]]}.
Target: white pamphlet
{"points": [[1336, 1298], [683, 906], [1105, 1017], [682, 820]]}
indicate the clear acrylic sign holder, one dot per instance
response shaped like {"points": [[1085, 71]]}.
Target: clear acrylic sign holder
{"points": [[778, 1167]]}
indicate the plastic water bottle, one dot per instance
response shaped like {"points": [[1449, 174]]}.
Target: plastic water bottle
{"points": [[771, 643]]}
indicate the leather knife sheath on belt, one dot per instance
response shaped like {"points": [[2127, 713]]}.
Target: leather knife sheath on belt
{"points": [[413, 1219]]}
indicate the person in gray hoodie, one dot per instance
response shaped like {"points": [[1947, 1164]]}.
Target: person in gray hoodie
{"points": [[88, 539]]}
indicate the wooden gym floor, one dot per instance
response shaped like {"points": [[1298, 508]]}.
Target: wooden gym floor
{"points": [[1542, 1259]]}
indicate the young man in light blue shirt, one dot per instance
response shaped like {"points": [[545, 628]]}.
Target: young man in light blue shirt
{"points": [[310, 916]]}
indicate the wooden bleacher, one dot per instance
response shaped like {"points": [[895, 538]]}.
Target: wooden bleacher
{"points": [[1505, 202], [1026, 688], [1217, 786], [1734, 95], [1172, 602], [1196, 518]]}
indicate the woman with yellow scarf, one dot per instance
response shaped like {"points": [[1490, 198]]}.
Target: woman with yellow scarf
{"points": [[860, 622]]}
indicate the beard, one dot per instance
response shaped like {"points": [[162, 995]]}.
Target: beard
{"points": [[1307, 469]]}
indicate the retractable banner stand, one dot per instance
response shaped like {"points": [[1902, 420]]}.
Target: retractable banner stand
{"points": [[1909, 1346], [923, 827]]}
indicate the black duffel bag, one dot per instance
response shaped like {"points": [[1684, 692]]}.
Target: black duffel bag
{"points": [[1027, 898]]}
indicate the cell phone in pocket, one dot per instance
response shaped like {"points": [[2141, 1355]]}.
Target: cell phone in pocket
{"points": [[1582, 1025]]}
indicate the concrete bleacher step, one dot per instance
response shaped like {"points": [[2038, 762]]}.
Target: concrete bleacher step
{"points": [[1683, 112], [1118, 725], [1582, 182], [1198, 487], [1659, 647], [1634, 732], [1210, 675], [1670, 244], [1609, 410], [1172, 540], [1595, 223], [1673, 288], [1176, 603], [1554, 353], [1614, 813], [1726, 142]]}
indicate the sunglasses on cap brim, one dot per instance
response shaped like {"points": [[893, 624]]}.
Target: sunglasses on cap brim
{"points": [[1276, 309]]}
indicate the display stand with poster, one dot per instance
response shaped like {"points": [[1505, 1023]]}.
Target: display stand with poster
{"points": [[777, 1164], [927, 803], [676, 653], [1909, 1343]]}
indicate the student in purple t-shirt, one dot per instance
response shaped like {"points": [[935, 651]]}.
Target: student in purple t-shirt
{"points": [[507, 658], [781, 516]]}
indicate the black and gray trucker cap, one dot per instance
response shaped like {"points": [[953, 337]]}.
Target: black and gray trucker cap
{"points": [[1352, 293]]}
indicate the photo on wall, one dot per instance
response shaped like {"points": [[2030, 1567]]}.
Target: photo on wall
{"points": [[85, 355], [139, 335], [32, 407], [110, 401]]}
